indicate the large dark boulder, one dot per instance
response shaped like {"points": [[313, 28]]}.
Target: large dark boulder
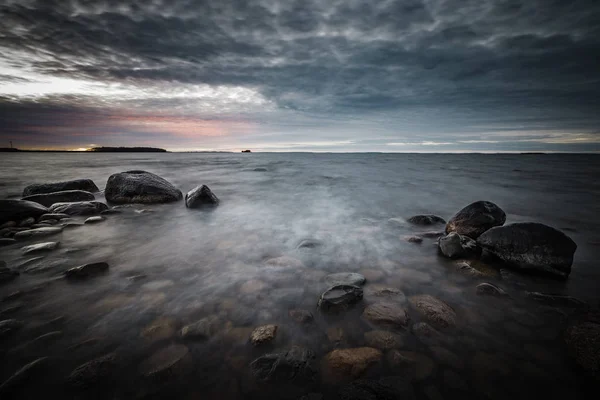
{"points": [[79, 208], [16, 210], [67, 196], [140, 187], [531, 246], [454, 245], [476, 218], [78, 184], [200, 196], [339, 298]]}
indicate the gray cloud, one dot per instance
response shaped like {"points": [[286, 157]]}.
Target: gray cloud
{"points": [[425, 68]]}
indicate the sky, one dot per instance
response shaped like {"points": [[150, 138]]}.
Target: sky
{"points": [[301, 75]]}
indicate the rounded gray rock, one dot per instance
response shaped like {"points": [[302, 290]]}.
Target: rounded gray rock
{"points": [[200, 196], [476, 218], [140, 187]]}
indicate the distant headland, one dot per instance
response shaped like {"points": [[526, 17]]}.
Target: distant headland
{"points": [[91, 150]]}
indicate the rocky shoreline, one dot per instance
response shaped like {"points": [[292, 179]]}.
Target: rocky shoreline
{"points": [[476, 238]]}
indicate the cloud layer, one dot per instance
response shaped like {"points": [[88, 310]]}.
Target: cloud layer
{"points": [[357, 75]]}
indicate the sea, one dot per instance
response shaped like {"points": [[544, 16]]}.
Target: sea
{"points": [[314, 214]]}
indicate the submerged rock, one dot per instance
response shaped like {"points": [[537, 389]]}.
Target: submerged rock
{"points": [[583, 343], [34, 248], [488, 289], [16, 210], [476, 218], [345, 278], [386, 388], [140, 187], [86, 270], [531, 246], [200, 196], [78, 184], [428, 219], [427, 334], [263, 334], [340, 298], [348, 364], [301, 316], [454, 245], [383, 340], [27, 222], [79, 208], [93, 372], [22, 376], [67, 196], [52, 216], [387, 314], [414, 365], [556, 300], [294, 365], [202, 329], [38, 232], [167, 363], [438, 313], [477, 269], [413, 239]]}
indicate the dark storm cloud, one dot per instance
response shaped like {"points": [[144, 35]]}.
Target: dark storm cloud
{"points": [[528, 65]]}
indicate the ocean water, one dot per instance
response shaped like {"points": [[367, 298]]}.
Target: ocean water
{"points": [[352, 210]]}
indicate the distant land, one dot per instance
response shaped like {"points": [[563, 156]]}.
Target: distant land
{"points": [[127, 150], [92, 150]]}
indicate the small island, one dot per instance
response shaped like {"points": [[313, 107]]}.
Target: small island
{"points": [[246, 151]]}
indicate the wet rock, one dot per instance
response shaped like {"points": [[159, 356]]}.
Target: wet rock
{"points": [[7, 242], [111, 211], [253, 286], [160, 329], [413, 239], [488, 289], [79, 208], [140, 187], [27, 222], [556, 300], [340, 298], [432, 234], [78, 184], [347, 364], [7, 274], [454, 245], [294, 365], [438, 313], [168, 362], [531, 246], [9, 326], [446, 357], [200, 196], [38, 232], [345, 278], [427, 334], [428, 219], [386, 388], [67, 196], [387, 314], [202, 329], [336, 335], [414, 365], [94, 220], [260, 169], [52, 216], [93, 372], [17, 210], [263, 334], [476, 218], [583, 344], [86, 270], [23, 376], [476, 269], [383, 340], [301, 316]]}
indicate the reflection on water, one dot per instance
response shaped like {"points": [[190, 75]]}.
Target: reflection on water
{"points": [[284, 223]]}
